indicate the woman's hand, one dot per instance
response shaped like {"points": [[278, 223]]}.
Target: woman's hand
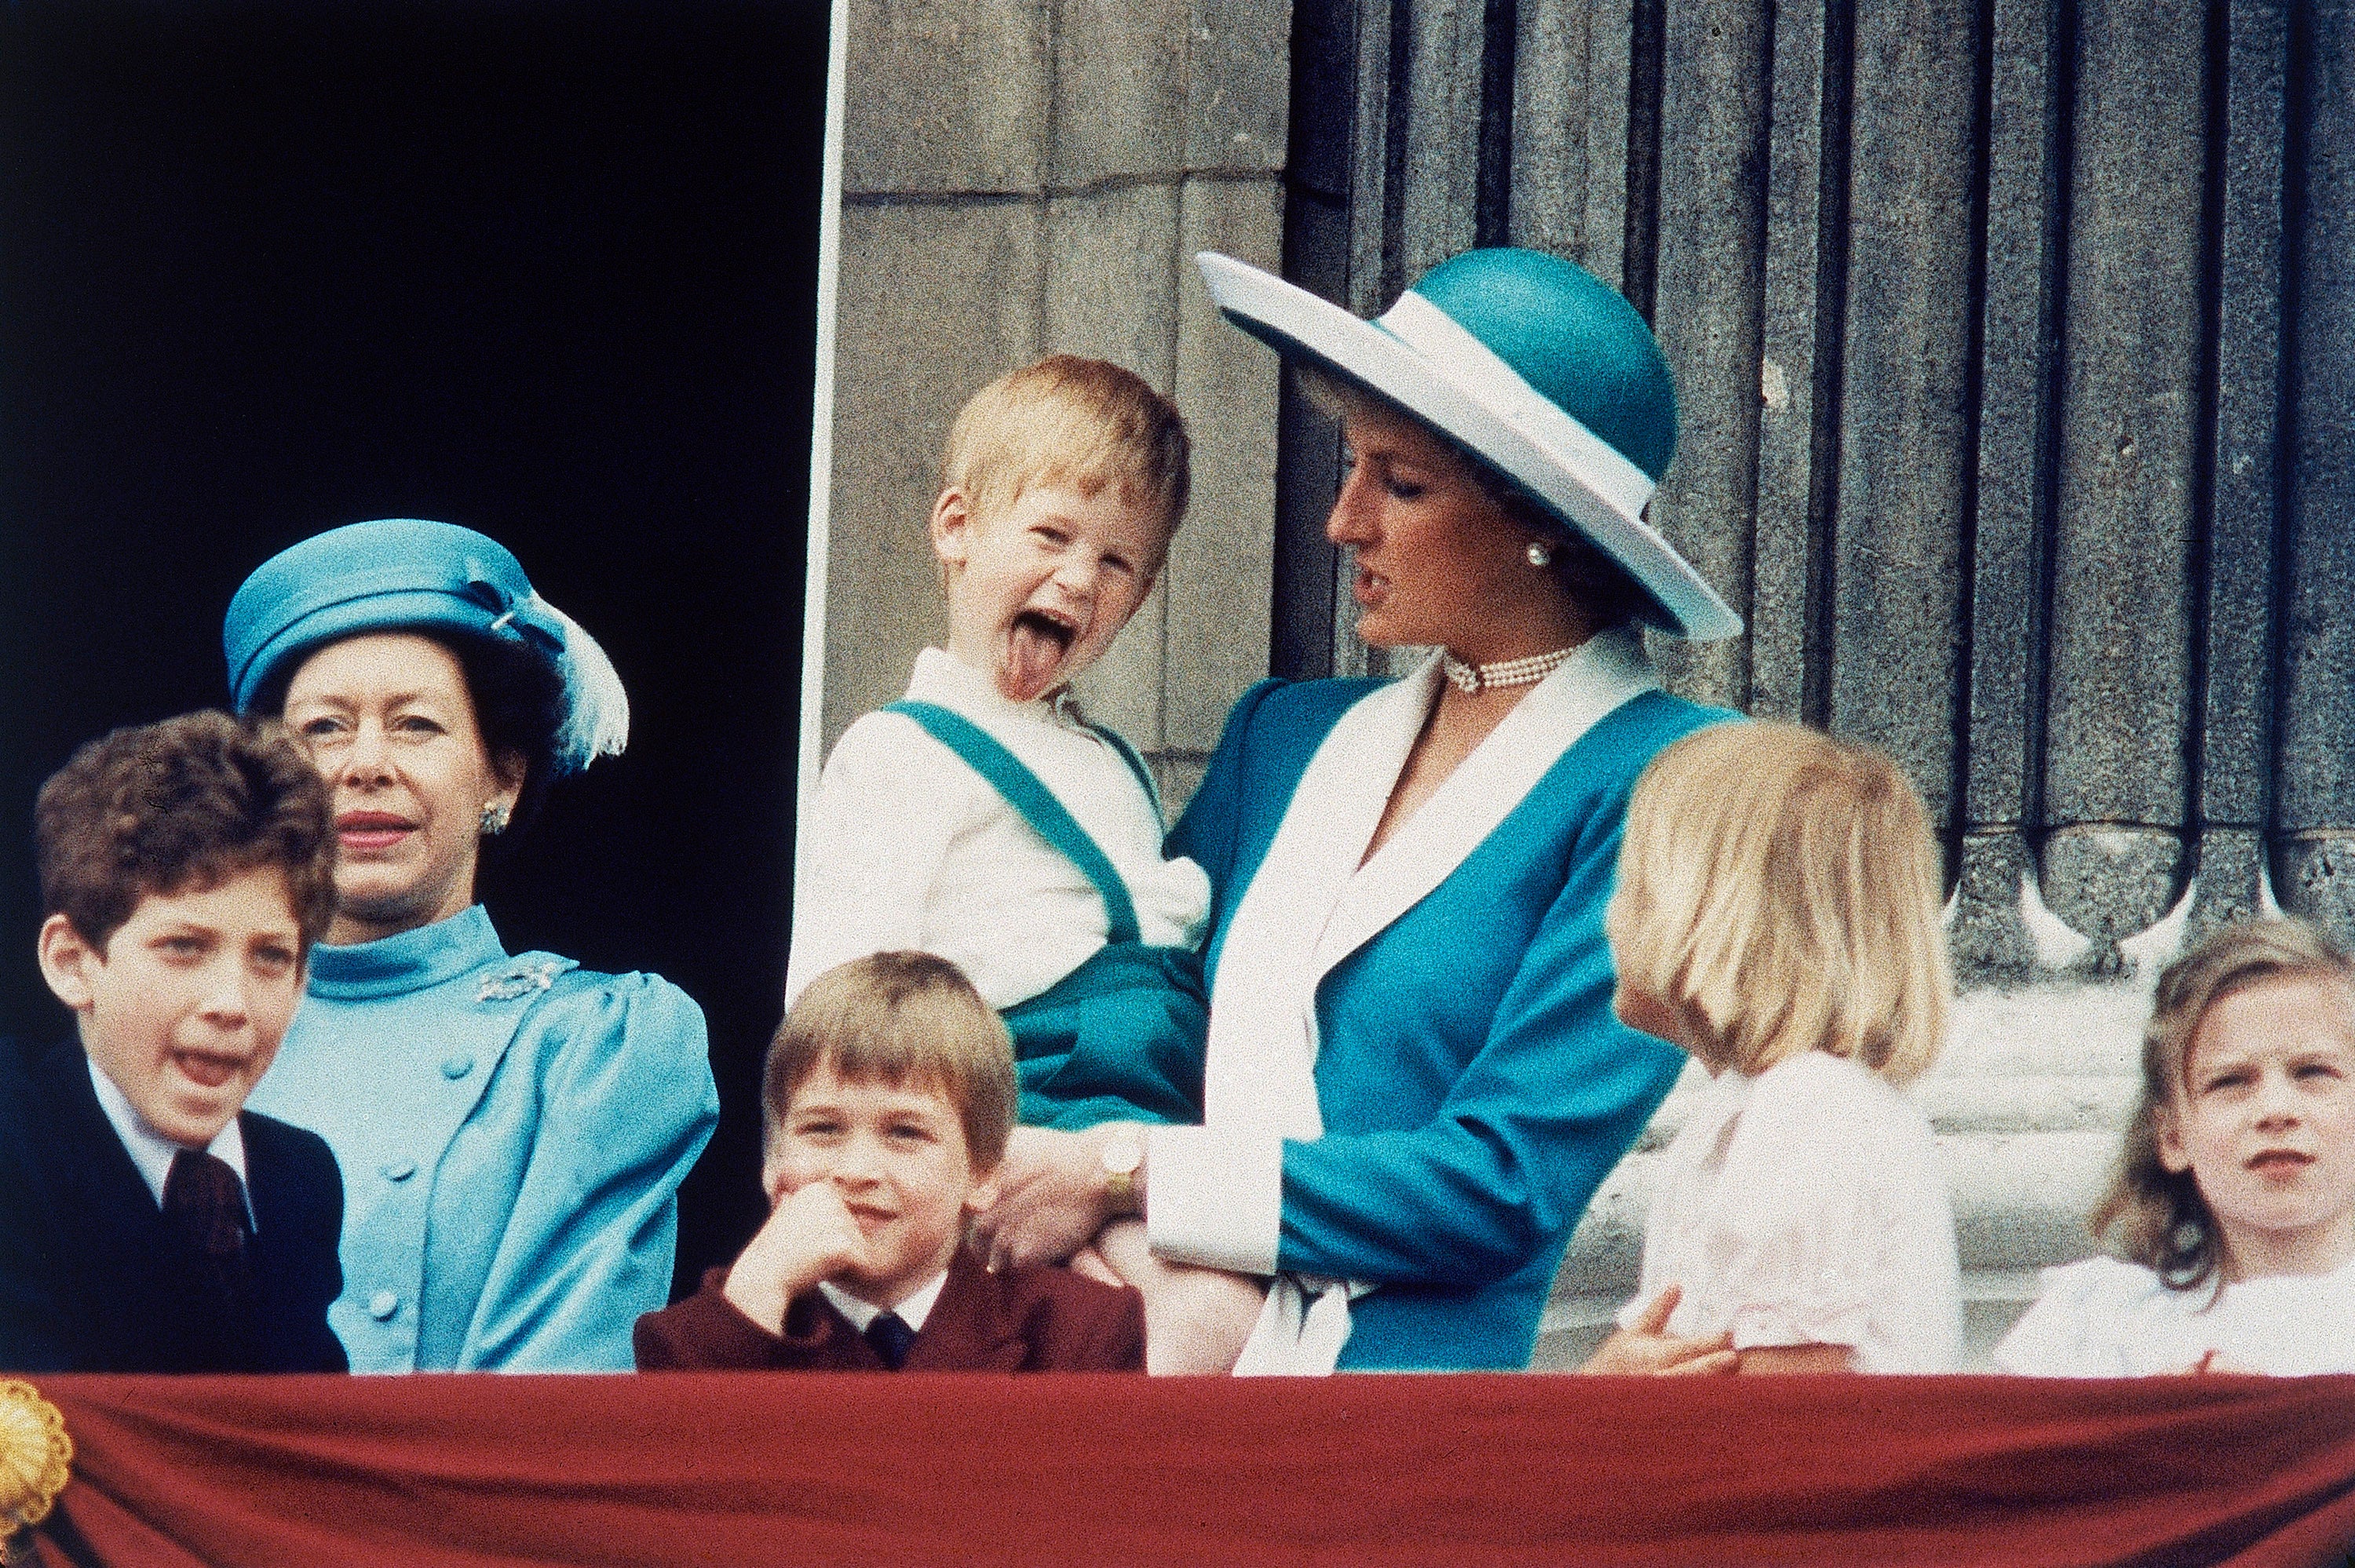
{"points": [[1051, 1194], [1648, 1348]]}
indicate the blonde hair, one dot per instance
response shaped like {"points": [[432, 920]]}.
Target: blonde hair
{"points": [[2152, 1215], [899, 1018], [1778, 889], [1086, 423]]}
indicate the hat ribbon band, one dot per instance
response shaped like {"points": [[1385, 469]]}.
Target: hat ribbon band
{"points": [[1482, 375]]}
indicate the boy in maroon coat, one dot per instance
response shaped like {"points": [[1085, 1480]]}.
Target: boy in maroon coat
{"points": [[888, 1098]]}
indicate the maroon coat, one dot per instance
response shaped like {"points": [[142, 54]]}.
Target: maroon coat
{"points": [[1024, 1319]]}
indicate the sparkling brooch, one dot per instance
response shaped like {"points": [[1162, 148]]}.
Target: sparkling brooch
{"points": [[512, 983]]}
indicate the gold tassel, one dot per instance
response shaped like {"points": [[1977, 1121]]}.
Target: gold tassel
{"points": [[36, 1455]]}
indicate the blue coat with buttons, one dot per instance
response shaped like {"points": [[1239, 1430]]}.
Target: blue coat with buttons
{"points": [[512, 1131]]}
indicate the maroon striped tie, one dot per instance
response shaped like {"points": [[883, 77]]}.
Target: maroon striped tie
{"points": [[204, 1203]]}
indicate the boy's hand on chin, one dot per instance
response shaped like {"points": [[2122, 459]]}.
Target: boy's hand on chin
{"points": [[809, 1236]]}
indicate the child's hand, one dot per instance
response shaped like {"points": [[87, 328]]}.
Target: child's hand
{"points": [[809, 1236], [1648, 1348]]}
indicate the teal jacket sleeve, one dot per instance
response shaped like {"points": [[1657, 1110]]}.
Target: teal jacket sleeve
{"points": [[624, 1103]]}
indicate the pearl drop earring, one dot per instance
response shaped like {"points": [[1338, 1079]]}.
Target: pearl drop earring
{"points": [[1539, 556]]}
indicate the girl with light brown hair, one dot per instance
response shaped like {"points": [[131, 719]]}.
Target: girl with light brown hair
{"points": [[2232, 1212]]}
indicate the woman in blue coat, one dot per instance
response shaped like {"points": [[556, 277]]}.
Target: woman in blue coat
{"points": [[1415, 1081], [512, 1127]]}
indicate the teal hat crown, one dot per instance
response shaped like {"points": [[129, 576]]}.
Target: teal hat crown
{"points": [[1534, 366], [1573, 338], [409, 573]]}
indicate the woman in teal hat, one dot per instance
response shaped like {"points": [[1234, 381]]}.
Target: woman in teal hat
{"points": [[512, 1127], [1415, 1079]]}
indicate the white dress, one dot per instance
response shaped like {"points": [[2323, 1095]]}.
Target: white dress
{"points": [[1805, 1206], [2102, 1317]]}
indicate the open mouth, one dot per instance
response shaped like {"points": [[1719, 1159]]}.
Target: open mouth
{"points": [[1036, 645], [211, 1071]]}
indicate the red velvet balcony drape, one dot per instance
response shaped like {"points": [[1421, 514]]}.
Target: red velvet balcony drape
{"points": [[735, 1468]]}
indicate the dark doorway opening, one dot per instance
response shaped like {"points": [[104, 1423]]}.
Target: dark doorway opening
{"points": [[544, 267]]}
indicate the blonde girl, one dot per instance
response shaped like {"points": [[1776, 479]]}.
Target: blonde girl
{"points": [[1777, 917], [2232, 1213]]}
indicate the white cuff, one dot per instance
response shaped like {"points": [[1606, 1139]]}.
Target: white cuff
{"points": [[1214, 1198]]}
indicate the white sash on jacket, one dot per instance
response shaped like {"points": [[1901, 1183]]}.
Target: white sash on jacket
{"points": [[1311, 903]]}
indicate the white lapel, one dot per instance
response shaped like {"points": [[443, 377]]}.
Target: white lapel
{"points": [[1483, 790], [1262, 1040]]}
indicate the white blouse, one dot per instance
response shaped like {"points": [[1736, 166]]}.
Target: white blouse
{"points": [[2105, 1318], [1805, 1206], [906, 846]]}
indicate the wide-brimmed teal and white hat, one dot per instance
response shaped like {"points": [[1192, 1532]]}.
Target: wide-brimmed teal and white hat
{"points": [[1535, 366]]}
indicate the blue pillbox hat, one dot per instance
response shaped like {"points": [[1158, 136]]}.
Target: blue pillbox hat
{"points": [[411, 574]]}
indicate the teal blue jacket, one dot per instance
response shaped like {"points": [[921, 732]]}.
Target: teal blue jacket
{"points": [[1474, 1085], [512, 1131]]}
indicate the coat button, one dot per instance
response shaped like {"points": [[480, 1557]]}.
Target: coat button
{"points": [[397, 1169], [457, 1066], [383, 1305]]}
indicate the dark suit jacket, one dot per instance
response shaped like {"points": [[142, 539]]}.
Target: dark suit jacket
{"points": [[1025, 1320], [91, 1279]]}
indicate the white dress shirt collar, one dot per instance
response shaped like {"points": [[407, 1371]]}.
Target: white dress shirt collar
{"points": [[151, 1151], [911, 1311]]}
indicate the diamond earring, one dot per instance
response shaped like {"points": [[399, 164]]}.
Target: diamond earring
{"points": [[495, 819], [1539, 556]]}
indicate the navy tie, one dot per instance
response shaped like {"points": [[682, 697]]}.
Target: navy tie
{"points": [[890, 1336]]}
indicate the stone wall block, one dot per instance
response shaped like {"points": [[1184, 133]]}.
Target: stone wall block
{"points": [[1442, 177], [1610, 25], [2229, 884], [2314, 875], [903, 130], [1220, 564], [2110, 883], [2244, 507], [1238, 85], [1708, 296], [2316, 764], [2016, 334], [1785, 550], [1903, 459], [1551, 109], [2120, 687], [935, 301], [1120, 90], [2318, 663], [1111, 259], [1988, 938]]}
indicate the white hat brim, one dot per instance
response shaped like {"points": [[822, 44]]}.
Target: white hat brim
{"points": [[1292, 320]]}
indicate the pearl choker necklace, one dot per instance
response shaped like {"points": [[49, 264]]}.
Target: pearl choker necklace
{"points": [[1472, 679]]}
